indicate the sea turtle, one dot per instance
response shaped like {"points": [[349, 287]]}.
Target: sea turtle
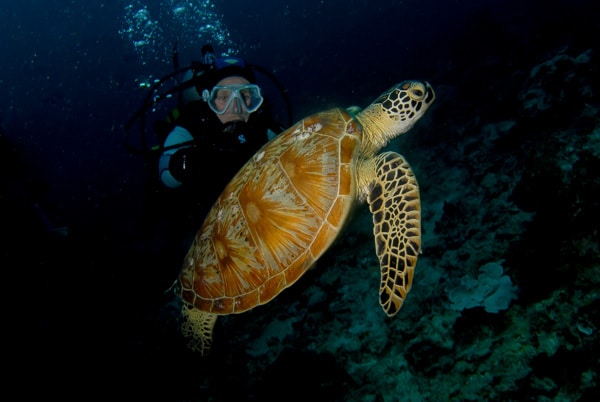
{"points": [[290, 201]]}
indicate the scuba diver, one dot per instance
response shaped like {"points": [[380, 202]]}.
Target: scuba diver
{"points": [[221, 119], [218, 130]]}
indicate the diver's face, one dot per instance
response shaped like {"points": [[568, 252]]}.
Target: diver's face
{"points": [[235, 111]]}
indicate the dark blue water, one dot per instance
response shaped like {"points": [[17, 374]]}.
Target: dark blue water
{"points": [[508, 166]]}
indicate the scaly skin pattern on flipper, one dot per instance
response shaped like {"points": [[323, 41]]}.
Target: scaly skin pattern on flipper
{"points": [[290, 202], [395, 205], [388, 184], [197, 327]]}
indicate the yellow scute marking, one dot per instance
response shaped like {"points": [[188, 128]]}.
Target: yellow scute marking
{"points": [[252, 212]]}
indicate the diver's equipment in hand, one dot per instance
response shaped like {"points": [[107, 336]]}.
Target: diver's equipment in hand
{"points": [[183, 164]]}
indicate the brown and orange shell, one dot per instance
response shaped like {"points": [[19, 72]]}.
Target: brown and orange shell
{"points": [[276, 217]]}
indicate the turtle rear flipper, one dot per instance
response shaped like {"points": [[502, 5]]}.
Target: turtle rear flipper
{"points": [[197, 327], [395, 205]]}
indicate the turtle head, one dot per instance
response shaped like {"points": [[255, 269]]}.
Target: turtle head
{"points": [[394, 112]]}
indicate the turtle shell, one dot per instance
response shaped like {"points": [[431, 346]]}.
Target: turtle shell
{"points": [[276, 217]]}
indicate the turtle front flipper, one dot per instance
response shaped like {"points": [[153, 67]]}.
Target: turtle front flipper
{"points": [[197, 327], [395, 205]]}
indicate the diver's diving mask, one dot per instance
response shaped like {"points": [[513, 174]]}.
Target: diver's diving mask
{"points": [[247, 97]]}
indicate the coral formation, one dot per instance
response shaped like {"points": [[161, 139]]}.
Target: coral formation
{"points": [[490, 290]]}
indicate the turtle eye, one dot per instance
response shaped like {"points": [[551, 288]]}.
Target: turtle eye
{"points": [[418, 92]]}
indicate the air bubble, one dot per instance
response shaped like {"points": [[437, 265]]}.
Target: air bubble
{"points": [[154, 26]]}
